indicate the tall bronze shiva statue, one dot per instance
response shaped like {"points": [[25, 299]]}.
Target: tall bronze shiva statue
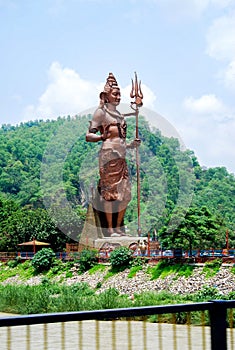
{"points": [[114, 189]]}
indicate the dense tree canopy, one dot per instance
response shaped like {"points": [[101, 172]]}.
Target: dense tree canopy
{"points": [[196, 227]]}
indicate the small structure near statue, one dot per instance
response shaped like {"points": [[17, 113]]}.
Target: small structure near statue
{"points": [[34, 244]]}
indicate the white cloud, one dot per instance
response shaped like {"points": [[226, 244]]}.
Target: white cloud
{"points": [[68, 94], [206, 104], [221, 46], [208, 128], [185, 8], [221, 38], [213, 144], [212, 141]]}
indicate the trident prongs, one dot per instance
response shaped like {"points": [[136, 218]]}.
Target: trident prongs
{"points": [[136, 93]]}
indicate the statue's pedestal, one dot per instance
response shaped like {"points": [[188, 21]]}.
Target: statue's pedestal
{"points": [[123, 241]]}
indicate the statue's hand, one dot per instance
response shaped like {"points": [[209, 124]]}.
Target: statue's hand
{"points": [[105, 136]]}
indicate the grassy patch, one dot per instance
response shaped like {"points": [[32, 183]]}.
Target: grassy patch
{"points": [[163, 269], [53, 297], [23, 270], [58, 268], [186, 270], [153, 298], [97, 268], [233, 270], [211, 268], [7, 272], [133, 271], [113, 271], [110, 274]]}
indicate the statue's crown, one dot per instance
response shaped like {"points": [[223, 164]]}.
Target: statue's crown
{"points": [[111, 82]]}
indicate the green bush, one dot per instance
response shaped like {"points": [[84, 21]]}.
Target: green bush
{"points": [[59, 267], [42, 260], [216, 263], [139, 261], [121, 258], [109, 299], [207, 293], [88, 259], [12, 263], [185, 270]]}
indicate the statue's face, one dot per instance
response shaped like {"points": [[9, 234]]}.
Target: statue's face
{"points": [[114, 97]]}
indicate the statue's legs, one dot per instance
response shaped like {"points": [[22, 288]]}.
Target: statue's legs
{"points": [[114, 217], [109, 216], [120, 218]]}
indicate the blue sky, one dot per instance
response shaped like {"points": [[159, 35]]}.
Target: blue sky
{"points": [[56, 55]]}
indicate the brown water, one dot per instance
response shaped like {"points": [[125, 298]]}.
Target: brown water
{"points": [[105, 335]]}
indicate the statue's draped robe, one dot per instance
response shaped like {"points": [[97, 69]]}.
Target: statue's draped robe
{"points": [[114, 183]]}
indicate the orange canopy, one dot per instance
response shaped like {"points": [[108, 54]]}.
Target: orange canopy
{"points": [[34, 243]]}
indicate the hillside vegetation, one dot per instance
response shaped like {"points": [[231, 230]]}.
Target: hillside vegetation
{"points": [[48, 170]]}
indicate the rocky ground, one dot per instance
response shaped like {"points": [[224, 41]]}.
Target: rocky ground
{"points": [[224, 281]]}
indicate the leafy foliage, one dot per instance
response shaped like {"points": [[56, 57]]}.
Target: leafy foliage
{"points": [[198, 227], [212, 267], [87, 259], [42, 260], [207, 293], [121, 258]]}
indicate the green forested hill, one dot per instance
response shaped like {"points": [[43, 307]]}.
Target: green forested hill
{"points": [[47, 172]]}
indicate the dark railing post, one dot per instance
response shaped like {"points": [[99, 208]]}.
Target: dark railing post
{"points": [[218, 313]]}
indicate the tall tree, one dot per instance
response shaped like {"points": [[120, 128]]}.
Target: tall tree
{"points": [[195, 228]]}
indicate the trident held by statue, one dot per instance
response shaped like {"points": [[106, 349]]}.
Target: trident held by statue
{"points": [[137, 94]]}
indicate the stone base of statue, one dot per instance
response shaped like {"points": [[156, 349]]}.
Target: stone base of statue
{"points": [[110, 243]]}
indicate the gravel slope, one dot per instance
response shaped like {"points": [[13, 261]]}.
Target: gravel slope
{"points": [[224, 281]]}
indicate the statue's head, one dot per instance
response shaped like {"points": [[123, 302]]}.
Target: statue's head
{"points": [[110, 87]]}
